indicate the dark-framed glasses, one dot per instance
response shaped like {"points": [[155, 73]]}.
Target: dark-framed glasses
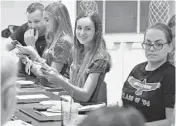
{"points": [[156, 46]]}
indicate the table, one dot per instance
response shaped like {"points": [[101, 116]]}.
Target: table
{"points": [[37, 90]]}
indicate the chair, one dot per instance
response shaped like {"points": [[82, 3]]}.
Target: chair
{"points": [[8, 31]]}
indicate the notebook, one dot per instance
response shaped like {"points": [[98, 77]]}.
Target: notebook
{"points": [[42, 116]]}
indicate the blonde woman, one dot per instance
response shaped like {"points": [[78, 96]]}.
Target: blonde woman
{"points": [[90, 63], [59, 41]]}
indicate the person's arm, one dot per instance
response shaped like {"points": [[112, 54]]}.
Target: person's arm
{"points": [[83, 94], [58, 66], [35, 69], [164, 122], [80, 94], [168, 84]]}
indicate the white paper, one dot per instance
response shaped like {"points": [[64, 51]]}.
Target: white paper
{"points": [[24, 82], [56, 93], [17, 123], [36, 96], [50, 102], [50, 113], [91, 107]]}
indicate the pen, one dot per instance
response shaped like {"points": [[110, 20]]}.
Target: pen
{"points": [[26, 102]]}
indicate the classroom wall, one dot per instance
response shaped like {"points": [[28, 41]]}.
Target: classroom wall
{"points": [[14, 12]]}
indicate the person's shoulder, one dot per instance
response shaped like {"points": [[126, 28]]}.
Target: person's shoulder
{"points": [[168, 68], [65, 41], [102, 60], [102, 55], [24, 26], [142, 64], [139, 66], [66, 37]]}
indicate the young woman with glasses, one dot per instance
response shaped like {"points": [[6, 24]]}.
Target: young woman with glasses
{"points": [[150, 87]]}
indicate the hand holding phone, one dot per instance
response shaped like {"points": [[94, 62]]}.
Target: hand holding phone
{"points": [[15, 43]]}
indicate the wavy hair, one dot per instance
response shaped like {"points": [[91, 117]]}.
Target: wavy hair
{"points": [[97, 45]]}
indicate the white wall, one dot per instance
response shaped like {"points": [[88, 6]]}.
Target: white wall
{"points": [[14, 12]]}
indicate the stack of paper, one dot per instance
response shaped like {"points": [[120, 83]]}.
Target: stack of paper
{"points": [[17, 123], [25, 84], [34, 96], [91, 107]]}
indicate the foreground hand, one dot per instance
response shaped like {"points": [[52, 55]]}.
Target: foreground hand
{"points": [[23, 58], [31, 36], [28, 50], [52, 76]]}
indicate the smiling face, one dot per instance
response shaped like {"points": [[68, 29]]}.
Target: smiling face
{"points": [[155, 36], [35, 20], [85, 30], [50, 22]]}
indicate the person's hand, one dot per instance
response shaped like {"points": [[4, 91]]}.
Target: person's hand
{"points": [[23, 58], [30, 37], [36, 69], [28, 50], [28, 65], [52, 75]]}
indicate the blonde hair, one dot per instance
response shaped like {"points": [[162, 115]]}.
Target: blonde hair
{"points": [[61, 16], [78, 50]]}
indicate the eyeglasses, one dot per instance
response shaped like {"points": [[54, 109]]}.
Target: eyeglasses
{"points": [[156, 46]]}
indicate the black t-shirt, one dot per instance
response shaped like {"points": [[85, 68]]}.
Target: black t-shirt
{"points": [[19, 36], [150, 91]]}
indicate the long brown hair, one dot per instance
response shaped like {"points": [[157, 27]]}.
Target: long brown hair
{"points": [[79, 48]]}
